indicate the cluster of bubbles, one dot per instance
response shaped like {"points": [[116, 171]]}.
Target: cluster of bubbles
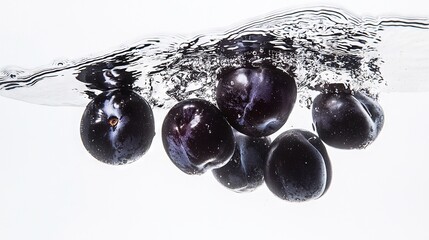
{"points": [[319, 46]]}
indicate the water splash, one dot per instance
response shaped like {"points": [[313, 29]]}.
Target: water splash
{"points": [[317, 45]]}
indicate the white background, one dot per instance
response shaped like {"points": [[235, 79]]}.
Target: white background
{"points": [[51, 188]]}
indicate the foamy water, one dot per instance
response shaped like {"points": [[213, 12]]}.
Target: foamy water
{"points": [[317, 45]]}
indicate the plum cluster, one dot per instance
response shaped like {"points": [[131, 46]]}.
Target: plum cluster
{"points": [[256, 102], [232, 138]]}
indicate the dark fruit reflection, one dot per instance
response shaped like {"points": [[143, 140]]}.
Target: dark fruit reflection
{"points": [[298, 167], [347, 120], [247, 46], [117, 127], [245, 171], [256, 101], [107, 75], [197, 137]]}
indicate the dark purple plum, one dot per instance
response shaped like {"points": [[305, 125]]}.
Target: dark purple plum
{"points": [[197, 137], [298, 168], [347, 120], [245, 171], [256, 101], [117, 127]]}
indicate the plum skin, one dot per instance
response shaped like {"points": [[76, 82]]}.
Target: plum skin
{"points": [[347, 120], [196, 137], [298, 167], [245, 171], [117, 127], [256, 101]]}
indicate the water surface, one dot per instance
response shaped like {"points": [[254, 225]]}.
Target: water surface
{"points": [[317, 45]]}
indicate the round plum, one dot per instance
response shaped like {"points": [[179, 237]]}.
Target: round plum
{"points": [[245, 171], [197, 137], [256, 101], [298, 167], [347, 120], [117, 127]]}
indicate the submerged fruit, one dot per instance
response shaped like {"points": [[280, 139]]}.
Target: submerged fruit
{"points": [[298, 167], [197, 137], [256, 101], [347, 120], [117, 127], [245, 171]]}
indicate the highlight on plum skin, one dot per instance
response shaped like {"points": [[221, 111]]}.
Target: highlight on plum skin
{"points": [[298, 167], [196, 137], [245, 171], [347, 120], [256, 101], [117, 127]]}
